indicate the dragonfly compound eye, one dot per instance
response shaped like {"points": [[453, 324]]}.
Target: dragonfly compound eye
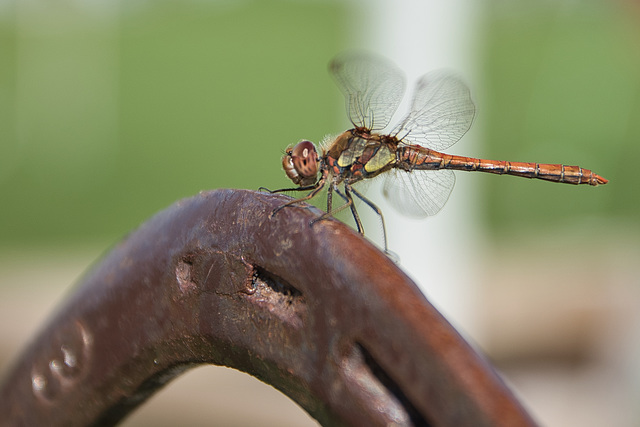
{"points": [[301, 163], [305, 159]]}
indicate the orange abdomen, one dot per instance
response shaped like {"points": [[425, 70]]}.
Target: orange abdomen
{"points": [[415, 157]]}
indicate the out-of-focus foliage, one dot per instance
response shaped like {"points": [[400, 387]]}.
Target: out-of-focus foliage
{"points": [[110, 111], [562, 86]]}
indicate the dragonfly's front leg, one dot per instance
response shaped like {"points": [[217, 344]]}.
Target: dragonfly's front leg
{"points": [[284, 190], [315, 190]]}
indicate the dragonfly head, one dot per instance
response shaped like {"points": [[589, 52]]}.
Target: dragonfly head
{"points": [[301, 163]]}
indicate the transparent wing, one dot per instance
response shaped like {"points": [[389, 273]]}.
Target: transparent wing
{"points": [[441, 112], [419, 193], [372, 86]]}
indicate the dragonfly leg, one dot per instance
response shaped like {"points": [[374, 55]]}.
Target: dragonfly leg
{"points": [[330, 212], [347, 194], [330, 196], [283, 190], [376, 209], [315, 190]]}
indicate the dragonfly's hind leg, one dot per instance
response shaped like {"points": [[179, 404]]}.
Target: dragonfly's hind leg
{"points": [[352, 206], [375, 209]]}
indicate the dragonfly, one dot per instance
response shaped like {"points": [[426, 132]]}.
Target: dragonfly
{"points": [[418, 175]]}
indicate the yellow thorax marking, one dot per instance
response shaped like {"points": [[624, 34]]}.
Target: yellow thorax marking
{"points": [[382, 158]]}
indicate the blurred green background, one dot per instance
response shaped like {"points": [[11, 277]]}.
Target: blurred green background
{"points": [[562, 85], [111, 111]]}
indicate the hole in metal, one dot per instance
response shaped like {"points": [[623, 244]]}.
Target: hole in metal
{"points": [[184, 271]]}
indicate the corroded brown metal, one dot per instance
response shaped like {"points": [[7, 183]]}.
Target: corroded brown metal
{"points": [[317, 312]]}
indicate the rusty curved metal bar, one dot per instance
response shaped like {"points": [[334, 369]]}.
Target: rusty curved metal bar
{"points": [[317, 312]]}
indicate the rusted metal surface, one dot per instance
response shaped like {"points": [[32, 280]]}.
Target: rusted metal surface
{"points": [[317, 312]]}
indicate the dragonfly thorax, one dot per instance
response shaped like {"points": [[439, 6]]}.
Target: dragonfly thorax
{"points": [[358, 154], [301, 163]]}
